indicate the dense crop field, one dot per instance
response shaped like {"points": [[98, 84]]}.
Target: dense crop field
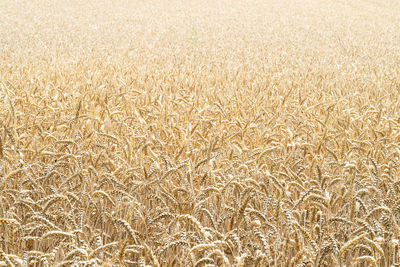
{"points": [[200, 133]]}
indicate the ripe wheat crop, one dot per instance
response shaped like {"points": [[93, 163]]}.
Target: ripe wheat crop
{"points": [[200, 133]]}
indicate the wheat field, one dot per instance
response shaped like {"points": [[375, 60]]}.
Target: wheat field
{"points": [[200, 133]]}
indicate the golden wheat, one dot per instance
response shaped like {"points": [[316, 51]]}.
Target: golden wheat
{"points": [[199, 133]]}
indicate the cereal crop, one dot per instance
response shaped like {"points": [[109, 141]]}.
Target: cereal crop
{"points": [[200, 133]]}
